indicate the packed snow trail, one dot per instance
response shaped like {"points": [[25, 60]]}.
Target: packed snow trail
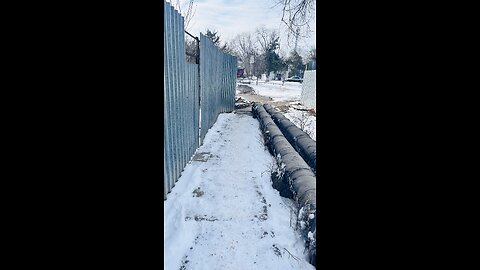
{"points": [[223, 212]]}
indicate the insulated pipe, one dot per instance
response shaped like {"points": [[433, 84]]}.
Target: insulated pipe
{"points": [[294, 178], [295, 167], [304, 144]]}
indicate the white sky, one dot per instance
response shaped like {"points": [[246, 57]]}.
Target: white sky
{"points": [[232, 17]]}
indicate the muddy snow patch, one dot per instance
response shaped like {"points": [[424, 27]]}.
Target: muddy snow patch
{"points": [[244, 89], [202, 156]]}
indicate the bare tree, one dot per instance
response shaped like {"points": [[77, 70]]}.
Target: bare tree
{"points": [[244, 48], [297, 15], [268, 59], [265, 38], [244, 44], [188, 13], [228, 48], [191, 50]]}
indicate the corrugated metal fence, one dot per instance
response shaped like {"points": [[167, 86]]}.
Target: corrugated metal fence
{"points": [[183, 86], [218, 72]]}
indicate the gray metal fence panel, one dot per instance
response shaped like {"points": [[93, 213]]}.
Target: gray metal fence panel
{"points": [[169, 164], [217, 83], [191, 99], [180, 94]]}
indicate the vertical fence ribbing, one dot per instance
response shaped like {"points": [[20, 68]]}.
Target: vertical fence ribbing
{"points": [[217, 83], [177, 144], [183, 104], [169, 165], [172, 96], [185, 86]]}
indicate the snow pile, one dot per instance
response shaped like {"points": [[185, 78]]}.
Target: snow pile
{"points": [[223, 212]]}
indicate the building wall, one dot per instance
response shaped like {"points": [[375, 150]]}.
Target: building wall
{"points": [[309, 90]]}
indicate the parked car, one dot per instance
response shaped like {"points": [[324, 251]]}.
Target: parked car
{"points": [[294, 79]]}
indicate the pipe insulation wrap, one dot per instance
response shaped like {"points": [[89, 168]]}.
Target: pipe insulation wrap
{"points": [[304, 144], [294, 177]]}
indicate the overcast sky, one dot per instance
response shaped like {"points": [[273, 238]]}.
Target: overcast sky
{"points": [[232, 17]]}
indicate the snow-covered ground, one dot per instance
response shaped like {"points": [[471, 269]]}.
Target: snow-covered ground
{"points": [[290, 93], [223, 212]]}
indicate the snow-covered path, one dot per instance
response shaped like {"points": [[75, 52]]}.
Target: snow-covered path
{"points": [[223, 212]]}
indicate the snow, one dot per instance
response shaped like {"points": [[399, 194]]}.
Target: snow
{"points": [[303, 120], [223, 213], [310, 236], [290, 91]]}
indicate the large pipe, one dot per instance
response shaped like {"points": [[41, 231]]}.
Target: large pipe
{"points": [[294, 177], [304, 144]]}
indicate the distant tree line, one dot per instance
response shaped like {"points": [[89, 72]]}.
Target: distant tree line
{"points": [[263, 47], [257, 52]]}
